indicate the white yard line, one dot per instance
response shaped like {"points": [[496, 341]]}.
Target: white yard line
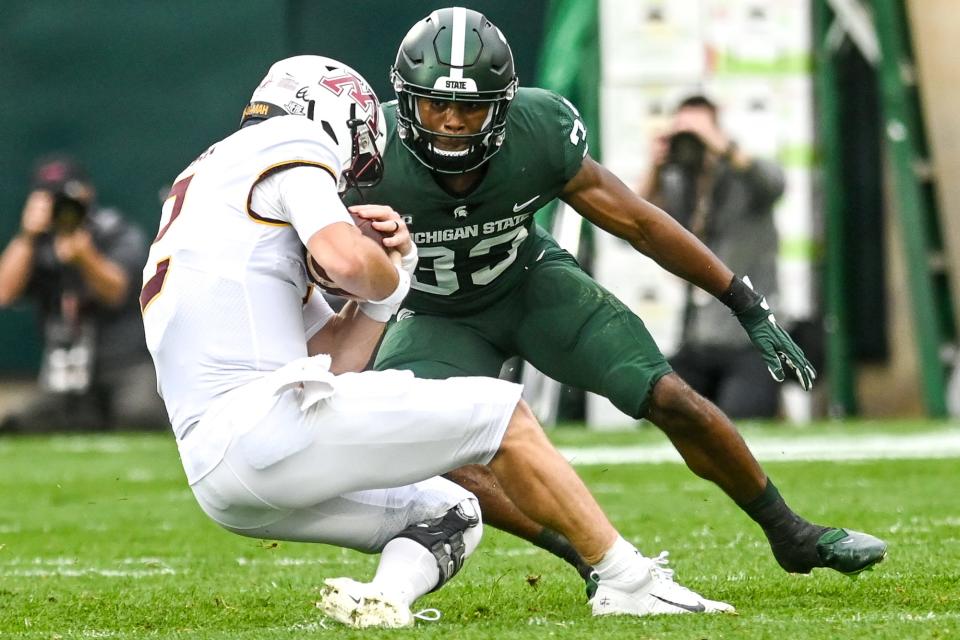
{"points": [[82, 573], [940, 444], [71, 567]]}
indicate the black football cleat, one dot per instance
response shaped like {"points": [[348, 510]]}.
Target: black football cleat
{"points": [[850, 552], [843, 550]]}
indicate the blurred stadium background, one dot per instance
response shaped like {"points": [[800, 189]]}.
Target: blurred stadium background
{"points": [[856, 98]]}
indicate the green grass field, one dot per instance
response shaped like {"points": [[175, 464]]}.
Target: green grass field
{"points": [[100, 538]]}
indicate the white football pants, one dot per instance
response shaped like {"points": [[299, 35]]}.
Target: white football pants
{"points": [[352, 470]]}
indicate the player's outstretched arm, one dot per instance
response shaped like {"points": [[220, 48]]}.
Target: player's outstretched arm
{"points": [[599, 196]]}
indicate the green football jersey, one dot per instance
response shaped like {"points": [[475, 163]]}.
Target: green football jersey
{"points": [[473, 248]]}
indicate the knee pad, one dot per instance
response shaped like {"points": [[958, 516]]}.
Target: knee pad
{"points": [[451, 538]]}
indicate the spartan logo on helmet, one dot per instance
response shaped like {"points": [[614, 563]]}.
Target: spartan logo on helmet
{"points": [[453, 54]]}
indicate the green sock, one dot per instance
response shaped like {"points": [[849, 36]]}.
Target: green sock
{"points": [[792, 538], [767, 508]]}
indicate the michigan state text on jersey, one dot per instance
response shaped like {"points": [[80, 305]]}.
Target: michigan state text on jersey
{"points": [[469, 158], [473, 247]]}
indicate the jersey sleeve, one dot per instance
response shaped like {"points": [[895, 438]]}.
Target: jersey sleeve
{"points": [[298, 177], [570, 134], [304, 196], [296, 141]]}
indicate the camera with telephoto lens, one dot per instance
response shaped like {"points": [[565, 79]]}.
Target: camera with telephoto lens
{"points": [[69, 207], [687, 150]]}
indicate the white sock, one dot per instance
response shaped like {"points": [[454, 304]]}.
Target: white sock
{"points": [[407, 570], [623, 566]]}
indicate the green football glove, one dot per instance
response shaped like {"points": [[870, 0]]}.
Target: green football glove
{"points": [[776, 346]]}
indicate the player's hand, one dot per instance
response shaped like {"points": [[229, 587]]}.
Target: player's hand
{"points": [[776, 346], [37, 213], [389, 222]]}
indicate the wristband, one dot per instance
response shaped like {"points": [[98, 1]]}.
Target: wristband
{"points": [[409, 261], [376, 312], [403, 286], [381, 310], [739, 296]]}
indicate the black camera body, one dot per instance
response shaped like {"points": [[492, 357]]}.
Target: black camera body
{"points": [[687, 151], [69, 209]]}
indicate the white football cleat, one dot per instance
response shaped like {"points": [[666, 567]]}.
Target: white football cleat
{"points": [[658, 595], [359, 605]]}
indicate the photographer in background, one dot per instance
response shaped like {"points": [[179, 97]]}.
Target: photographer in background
{"points": [[80, 264], [724, 197]]}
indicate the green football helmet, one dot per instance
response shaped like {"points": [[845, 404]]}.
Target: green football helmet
{"points": [[453, 54]]}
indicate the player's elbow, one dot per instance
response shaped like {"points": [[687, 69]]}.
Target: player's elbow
{"points": [[639, 237]]}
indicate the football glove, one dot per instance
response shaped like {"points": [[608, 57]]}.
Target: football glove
{"points": [[776, 346]]}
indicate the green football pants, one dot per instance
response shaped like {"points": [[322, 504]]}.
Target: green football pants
{"points": [[559, 319]]}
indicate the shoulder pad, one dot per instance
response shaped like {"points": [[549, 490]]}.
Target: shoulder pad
{"points": [[295, 139]]}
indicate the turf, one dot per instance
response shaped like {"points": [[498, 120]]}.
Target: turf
{"points": [[100, 538]]}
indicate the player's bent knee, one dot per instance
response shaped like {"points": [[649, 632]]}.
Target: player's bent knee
{"points": [[478, 479], [673, 395], [451, 538], [675, 407]]}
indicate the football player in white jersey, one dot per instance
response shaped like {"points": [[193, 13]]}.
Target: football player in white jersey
{"points": [[279, 434]]}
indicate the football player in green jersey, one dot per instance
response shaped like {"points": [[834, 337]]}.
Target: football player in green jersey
{"points": [[470, 157]]}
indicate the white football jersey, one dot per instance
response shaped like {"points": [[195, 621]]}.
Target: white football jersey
{"points": [[225, 283]]}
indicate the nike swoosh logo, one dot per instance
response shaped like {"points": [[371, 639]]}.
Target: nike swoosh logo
{"points": [[697, 608], [518, 207]]}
